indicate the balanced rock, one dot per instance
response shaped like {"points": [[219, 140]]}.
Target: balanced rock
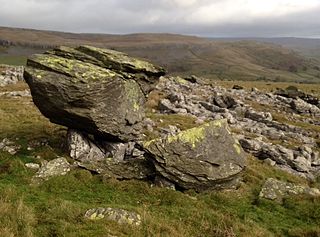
{"points": [[97, 91], [199, 158]]}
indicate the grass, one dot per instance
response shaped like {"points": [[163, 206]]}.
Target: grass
{"points": [[270, 86], [56, 207], [13, 60]]}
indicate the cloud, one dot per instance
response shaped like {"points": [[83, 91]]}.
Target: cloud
{"points": [[201, 17]]}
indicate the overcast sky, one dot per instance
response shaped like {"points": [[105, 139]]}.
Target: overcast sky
{"points": [[216, 18]]}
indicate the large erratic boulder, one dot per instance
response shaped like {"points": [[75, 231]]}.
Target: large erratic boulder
{"points": [[98, 91], [199, 158]]}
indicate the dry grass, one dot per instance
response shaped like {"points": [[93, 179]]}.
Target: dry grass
{"points": [[271, 86], [20, 86], [17, 218], [19, 118]]}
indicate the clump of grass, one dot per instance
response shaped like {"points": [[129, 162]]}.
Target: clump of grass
{"points": [[17, 218], [154, 98], [182, 122]]}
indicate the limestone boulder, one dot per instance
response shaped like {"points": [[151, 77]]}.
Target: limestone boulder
{"points": [[98, 91], [199, 158]]}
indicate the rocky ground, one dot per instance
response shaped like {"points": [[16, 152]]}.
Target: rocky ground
{"points": [[280, 127], [10, 74], [183, 138]]}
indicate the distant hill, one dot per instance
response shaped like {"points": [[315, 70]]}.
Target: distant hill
{"points": [[224, 59], [309, 47]]}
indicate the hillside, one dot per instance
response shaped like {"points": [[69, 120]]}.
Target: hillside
{"points": [[309, 47], [183, 55]]}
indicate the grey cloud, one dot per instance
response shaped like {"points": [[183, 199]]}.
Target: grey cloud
{"points": [[130, 16]]}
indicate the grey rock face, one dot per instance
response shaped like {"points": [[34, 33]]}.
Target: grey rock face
{"points": [[277, 190], [57, 167], [98, 91], [203, 157], [114, 214], [81, 148]]}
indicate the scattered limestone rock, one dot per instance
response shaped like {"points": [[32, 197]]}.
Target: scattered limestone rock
{"points": [[10, 74], [194, 99], [270, 162], [258, 116], [225, 101], [277, 190], [57, 167], [114, 214], [32, 166], [9, 146], [303, 107]]}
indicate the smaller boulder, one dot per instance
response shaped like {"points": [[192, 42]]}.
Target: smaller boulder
{"points": [[225, 101], [57, 167], [258, 116], [114, 214], [237, 87], [199, 158], [276, 190], [32, 166]]}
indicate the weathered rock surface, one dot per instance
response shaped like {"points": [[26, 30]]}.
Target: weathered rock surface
{"points": [[199, 158], [114, 214], [98, 91], [10, 74], [277, 190], [111, 159], [56, 167]]}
